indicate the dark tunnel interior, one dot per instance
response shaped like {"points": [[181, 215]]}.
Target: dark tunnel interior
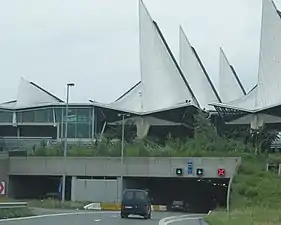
{"points": [[37, 187], [200, 194]]}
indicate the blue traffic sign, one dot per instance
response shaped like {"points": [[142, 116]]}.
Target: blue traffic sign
{"points": [[189, 167]]}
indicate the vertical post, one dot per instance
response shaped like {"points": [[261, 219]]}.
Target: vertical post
{"points": [[65, 143], [93, 132], [122, 147], [122, 151]]}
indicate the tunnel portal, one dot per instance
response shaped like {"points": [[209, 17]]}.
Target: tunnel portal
{"points": [[201, 195]]}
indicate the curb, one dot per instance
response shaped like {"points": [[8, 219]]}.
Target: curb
{"points": [[117, 207]]}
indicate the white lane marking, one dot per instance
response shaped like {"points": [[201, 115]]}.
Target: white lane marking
{"points": [[97, 220], [55, 215], [114, 216], [181, 219], [180, 216], [172, 219]]}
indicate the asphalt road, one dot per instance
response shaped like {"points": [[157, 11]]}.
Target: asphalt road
{"points": [[98, 218]]}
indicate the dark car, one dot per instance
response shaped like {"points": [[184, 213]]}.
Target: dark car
{"points": [[179, 206], [136, 202]]}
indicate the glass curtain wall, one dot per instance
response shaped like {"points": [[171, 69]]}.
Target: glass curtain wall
{"points": [[36, 116], [79, 119], [79, 123], [6, 117]]}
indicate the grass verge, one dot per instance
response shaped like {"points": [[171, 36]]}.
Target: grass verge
{"points": [[247, 216], [255, 194], [15, 212], [56, 204]]}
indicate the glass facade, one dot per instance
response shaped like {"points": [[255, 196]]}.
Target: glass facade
{"points": [[79, 119], [6, 117], [79, 123], [36, 116]]}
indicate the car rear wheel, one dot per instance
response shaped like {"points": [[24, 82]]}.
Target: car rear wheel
{"points": [[124, 216], [148, 214]]}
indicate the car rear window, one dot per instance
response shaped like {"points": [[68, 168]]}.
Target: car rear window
{"points": [[129, 195], [139, 195]]}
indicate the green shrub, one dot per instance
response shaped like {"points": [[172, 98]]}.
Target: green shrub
{"points": [[56, 204], [15, 212]]}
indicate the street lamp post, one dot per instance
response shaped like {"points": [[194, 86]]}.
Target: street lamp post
{"points": [[65, 142], [123, 115]]}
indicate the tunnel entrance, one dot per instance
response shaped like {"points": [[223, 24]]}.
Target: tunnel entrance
{"points": [[37, 187], [201, 195]]}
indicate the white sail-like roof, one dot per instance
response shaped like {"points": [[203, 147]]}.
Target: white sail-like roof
{"points": [[163, 84], [196, 74], [31, 95], [269, 76], [230, 87], [267, 92], [131, 100], [245, 103]]}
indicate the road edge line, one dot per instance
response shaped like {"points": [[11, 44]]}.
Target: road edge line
{"points": [[56, 214]]}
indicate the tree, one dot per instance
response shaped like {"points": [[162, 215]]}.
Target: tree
{"points": [[262, 139]]}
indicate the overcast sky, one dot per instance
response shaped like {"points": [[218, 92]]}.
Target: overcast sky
{"points": [[94, 43]]}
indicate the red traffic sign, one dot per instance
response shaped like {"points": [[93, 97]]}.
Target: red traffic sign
{"points": [[221, 172], [2, 188]]}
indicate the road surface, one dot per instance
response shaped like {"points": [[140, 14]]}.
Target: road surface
{"points": [[102, 218]]}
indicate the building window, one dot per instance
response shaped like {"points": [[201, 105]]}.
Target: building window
{"points": [[58, 113], [6, 117], [71, 115], [36, 116], [79, 123], [83, 130], [71, 130], [44, 116], [84, 115], [28, 117]]}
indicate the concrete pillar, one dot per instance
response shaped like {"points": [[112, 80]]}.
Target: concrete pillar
{"points": [[257, 122], [143, 127], [119, 189], [58, 131], [73, 189]]}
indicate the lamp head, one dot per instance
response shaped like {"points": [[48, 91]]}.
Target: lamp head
{"points": [[70, 84]]}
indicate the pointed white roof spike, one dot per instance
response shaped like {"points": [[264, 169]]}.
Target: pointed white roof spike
{"points": [[195, 74], [230, 87], [245, 103], [269, 76], [131, 100], [267, 92], [29, 95], [163, 84]]}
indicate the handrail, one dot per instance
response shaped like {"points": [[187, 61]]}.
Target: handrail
{"points": [[229, 186], [11, 205]]}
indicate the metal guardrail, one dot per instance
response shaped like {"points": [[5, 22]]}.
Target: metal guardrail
{"points": [[12, 205]]}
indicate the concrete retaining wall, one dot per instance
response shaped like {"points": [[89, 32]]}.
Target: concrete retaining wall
{"points": [[135, 167], [94, 190]]}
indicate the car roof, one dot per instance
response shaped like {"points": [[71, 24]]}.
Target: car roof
{"points": [[135, 190]]}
